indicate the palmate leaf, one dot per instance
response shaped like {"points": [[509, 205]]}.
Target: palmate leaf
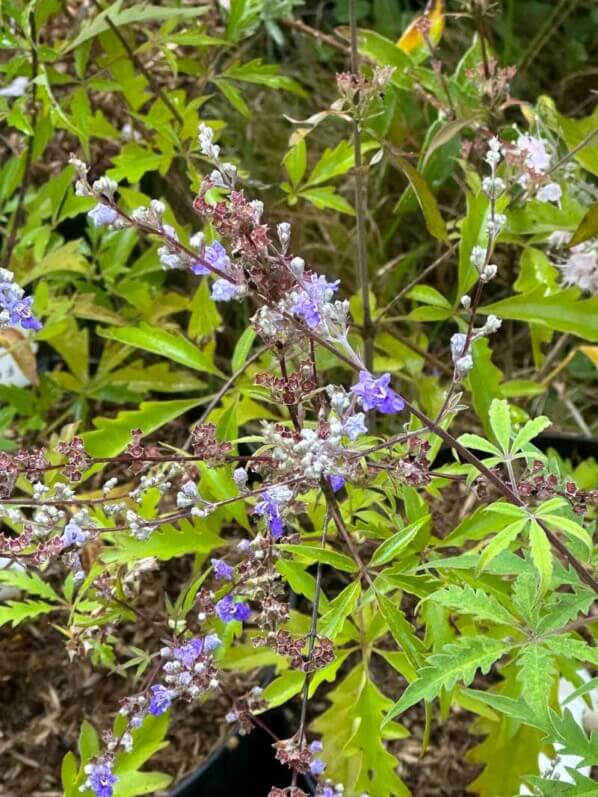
{"points": [[458, 661]]}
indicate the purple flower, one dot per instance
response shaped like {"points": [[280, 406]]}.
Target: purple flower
{"points": [[100, 779], [161, 700], [269, 508], [102, 214], [227, 610], [315, 292], [188, 653], [317, 767], [222, 569], [336, 482], [15, 307], [375, 394], [354, 425], [224, 291], [73, 534], [211, 642], [215, 255]]}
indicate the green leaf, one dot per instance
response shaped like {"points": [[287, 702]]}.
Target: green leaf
{"points": [[234, 96], [27, 581], [136, 783], [295, 162], [536, 671], [89, 744], [588, 227], [541, 554], [242, 349], [381, 50], [283, 688], [401, 629], [528, 432], [134, 161], [457, 661], [63, 258], [393, 546], [570, 648], [473, 233], [574, 131], [326, 197], [69, 774], [500, 542], [166, 543], [114, 434], [479, 443], [428, 295], [299, 581], [563, 311], [353, 739], [445, 134], [312, 553], [119, 16], [427, 201], [467, 600], [264, 75], [15, 612], [484, 381], [535, 269], [332, 622], [159, 341], [576, 530], [500, 421], [336, 161]]}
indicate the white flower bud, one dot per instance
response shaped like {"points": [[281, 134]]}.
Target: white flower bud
{"points": [[284, 234]]}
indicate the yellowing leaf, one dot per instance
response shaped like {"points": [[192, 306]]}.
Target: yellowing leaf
{"points": [[412, 40]]}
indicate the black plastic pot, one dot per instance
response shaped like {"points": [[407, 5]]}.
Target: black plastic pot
{"points": [[244, 765]]}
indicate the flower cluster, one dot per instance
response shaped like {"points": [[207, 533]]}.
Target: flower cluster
{"points": [[532, 162], [15, 307], [579, 266]]}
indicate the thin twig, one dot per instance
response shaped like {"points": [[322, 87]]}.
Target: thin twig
{"points": [[322, 38]]}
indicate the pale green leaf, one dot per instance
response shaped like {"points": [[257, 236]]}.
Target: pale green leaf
{"points": [[393, 546], [175, 347], [541, 554], [500, 421], [332, 622], [457, 661]]}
